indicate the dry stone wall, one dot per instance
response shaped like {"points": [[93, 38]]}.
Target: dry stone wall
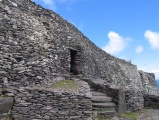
{"points": [[148, 79], [151, 101], [36, 42], [151, 92], [134, 97], [43, 104]]}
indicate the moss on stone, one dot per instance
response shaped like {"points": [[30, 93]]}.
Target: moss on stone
{"points": [[65, 84]]}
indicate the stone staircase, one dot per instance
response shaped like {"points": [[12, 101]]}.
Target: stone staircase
{"points": [[102, 105]]}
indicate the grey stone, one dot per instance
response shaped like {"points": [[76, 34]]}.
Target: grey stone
{"points": [[6, 104], [101, 99], [38, 48], [121, 101], [14, 4], [102, 105], [3, 73]]}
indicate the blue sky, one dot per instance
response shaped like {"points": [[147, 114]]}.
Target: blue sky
{"points": [[127, 29]]}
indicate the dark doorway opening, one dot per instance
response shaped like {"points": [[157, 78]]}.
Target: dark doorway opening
{"points": [[73, 62]]}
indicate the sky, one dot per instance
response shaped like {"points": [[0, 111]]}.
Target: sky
{"points": [[127, 29]]}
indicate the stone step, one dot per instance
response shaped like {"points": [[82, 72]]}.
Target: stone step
{"points": [[104, 109], [106, 113], [96, 93], [103, 105], [101, 99]]}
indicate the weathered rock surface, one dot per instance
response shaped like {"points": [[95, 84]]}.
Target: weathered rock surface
{"points": [[6, 104], [35, 42], [102, 105], [41, 103], [121, 101], [148, 78]]}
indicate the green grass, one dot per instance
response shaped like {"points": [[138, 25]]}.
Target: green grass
{"points": [[130, 115], [65, 84], [100, 118], [133, 115]]}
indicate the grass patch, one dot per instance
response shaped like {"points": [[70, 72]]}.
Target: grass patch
{"points": [[65, 84], [133, 115], [97, 109], [130, 115], [103, 118]]}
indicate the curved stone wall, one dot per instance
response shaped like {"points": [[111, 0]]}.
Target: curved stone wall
{"points": [[36, 42]]}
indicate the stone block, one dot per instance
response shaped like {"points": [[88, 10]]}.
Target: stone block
{"points": [[6, 104], [121, 101]]}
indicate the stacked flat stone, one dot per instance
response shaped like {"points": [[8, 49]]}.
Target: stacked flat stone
{"points": [[47, 104], [36, 43], [148, 78], [134, 99], [151, 101]]}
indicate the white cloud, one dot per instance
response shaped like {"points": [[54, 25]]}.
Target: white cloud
{"points": [[116, 43], [157, 76], [153, 38], [156, 72], [52, 4], [66, 1], [48, 1], [139, 49]]}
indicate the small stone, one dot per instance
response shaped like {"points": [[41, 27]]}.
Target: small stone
{"points": [[39, 77], [8, 10], [3, 73], [6, 104], [14, 4], [14, 26], [46, 117], [5, 80]]}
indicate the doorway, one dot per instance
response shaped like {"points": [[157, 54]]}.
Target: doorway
{"points": [[73, 62]]}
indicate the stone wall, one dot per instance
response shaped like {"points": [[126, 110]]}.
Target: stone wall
{"points": [[148, 78], [0, 89], [151, 90], [35, 42], [151, 101], [45, 103], [134, 97]]}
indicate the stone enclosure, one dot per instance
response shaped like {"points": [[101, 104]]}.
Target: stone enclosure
{"points": [[46, 104], [38, 48]]}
